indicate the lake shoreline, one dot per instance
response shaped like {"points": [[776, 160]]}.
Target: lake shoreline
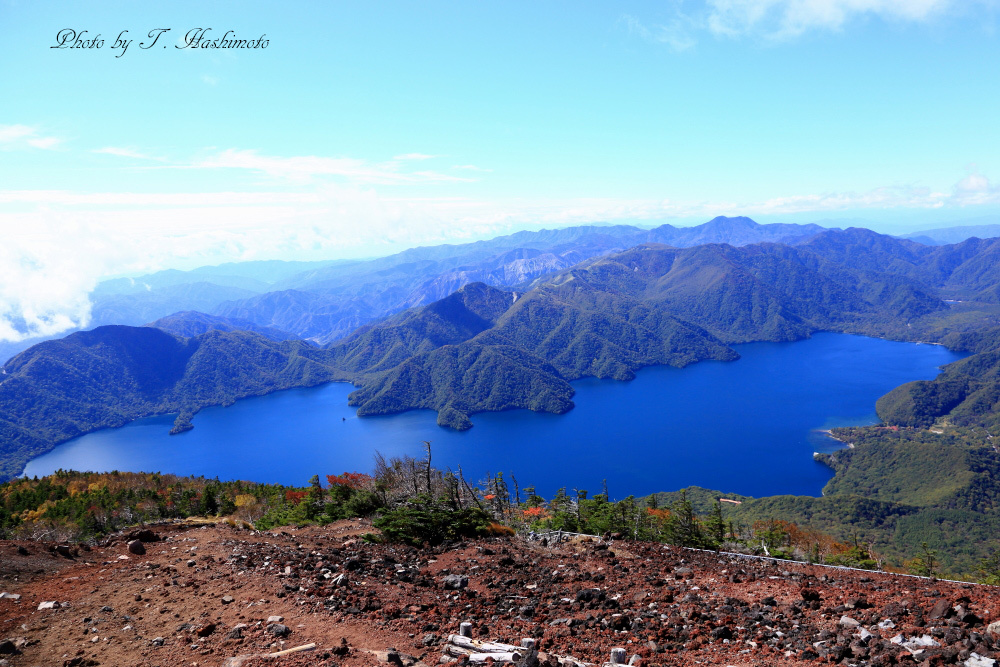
{"points": [[667, 428]]}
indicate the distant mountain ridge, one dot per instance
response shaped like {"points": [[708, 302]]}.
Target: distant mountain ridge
{"points": [[193, 323], [330, 302], [987, 229], [325, 301]]}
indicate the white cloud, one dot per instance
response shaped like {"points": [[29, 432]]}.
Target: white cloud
{"points": [[678, 32], [305, 168], [789, 18], [18, 136], [9, 133], [678, 23], [414, 156], [124, 152], [470, 167], [45, 143], [975, 189]]}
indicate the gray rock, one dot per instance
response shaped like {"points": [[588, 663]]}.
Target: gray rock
{"points": [[157, 642], [227, 599], [275, 619], [993, 630], [941, 609], [136, 547], [146, 535], [454, 582], [278, 630], [848, 622], [919, 643], [589, 595], [976, 660], [46, 605], [10, 596]]}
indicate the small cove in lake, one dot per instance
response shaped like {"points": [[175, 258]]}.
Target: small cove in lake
{"points": [[748, 427]]}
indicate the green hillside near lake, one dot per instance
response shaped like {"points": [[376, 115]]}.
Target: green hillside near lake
{"points": [[113, 375]]}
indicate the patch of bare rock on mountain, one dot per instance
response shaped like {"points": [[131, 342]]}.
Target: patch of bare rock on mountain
{"points": [[214, 595]]}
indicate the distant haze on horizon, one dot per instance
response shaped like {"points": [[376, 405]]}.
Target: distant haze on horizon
{"points": [[361, 129]]}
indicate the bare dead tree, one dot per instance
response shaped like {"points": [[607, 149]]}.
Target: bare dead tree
{"points": [[427, 448]]}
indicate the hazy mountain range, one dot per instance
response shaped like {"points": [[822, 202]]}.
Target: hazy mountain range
{"points": [[324, 301]]}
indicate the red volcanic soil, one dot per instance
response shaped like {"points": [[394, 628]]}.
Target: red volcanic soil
{"points": [[202, 595]]}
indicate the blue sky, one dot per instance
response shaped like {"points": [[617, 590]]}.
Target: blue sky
{"points": [[364, 127]]}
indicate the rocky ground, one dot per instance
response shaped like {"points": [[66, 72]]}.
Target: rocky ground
{"points": [[204, 595]]}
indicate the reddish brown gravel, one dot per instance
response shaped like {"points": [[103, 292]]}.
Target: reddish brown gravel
{"points": [[201, 595]]}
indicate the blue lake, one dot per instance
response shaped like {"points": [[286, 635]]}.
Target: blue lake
{"points": [[749, 426]]}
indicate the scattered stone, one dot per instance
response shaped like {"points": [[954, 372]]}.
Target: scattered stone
{"points": [[10, 596], [145, 535], [590, 595], [976, 660], [227, 599], [917, 643], [941, 609], [275, 619], [810, 595], [454, 582], [848, 622], [157, 642], [47, 605], [136, 547], [279, 630]]}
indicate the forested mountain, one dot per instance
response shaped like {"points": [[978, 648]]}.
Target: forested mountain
{"points": [[485, 348], [649, 305], [966, 393], [330, 302], [193, 323]]}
